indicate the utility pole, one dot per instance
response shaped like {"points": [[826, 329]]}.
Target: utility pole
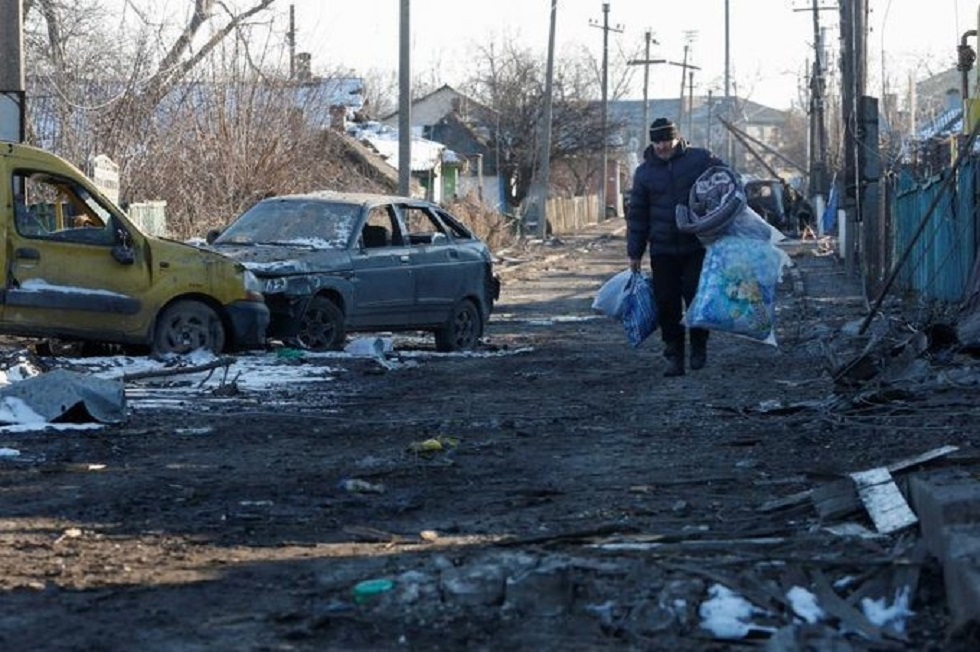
{"points": [[542, 185], [852, 18], [818, 128], [291, 39], [12, 89], [686, 67], [729, 142], [404, 103], [707, 125], [690, 103], [605, 104], [680, 104], [646, 62]]}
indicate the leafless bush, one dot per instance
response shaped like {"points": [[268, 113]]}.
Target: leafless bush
{"points": [[227, 145], [489, 225]]}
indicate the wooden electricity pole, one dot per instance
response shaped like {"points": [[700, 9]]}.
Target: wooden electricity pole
{"points": [[646, 62], [542, 183], [404, 103], [853, 15], [818, 189], [605, 104]]}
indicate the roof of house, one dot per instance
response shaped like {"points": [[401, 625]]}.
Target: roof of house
{"points": [[443, 90], [631, 111], [425, 155]]}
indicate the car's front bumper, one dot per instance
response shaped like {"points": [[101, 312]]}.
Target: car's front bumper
{"points": [[249, 323]]}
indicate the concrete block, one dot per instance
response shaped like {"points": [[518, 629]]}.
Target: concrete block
{"points": [[941, 500], [961, 574]]}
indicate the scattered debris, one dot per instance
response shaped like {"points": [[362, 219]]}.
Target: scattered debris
{"points": [[63, 396], [358, 486]]}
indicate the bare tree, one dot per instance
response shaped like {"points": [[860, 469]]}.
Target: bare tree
{"points": [[381, 93], [209, 129], [511, 79], [122, 89]]}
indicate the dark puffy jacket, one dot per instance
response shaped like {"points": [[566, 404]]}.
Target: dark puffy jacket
{"points": [[658, 186]]}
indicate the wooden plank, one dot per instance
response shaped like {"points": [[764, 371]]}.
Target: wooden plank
{"points": [[882, 499], [928, 456], [791, 500], [836, 499], [803, 496], [837, 607]]}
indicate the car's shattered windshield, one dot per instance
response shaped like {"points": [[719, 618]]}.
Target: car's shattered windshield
{"points": [[297, 222]]}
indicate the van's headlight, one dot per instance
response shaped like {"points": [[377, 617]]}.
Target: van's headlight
{"points": [[253, 287]]}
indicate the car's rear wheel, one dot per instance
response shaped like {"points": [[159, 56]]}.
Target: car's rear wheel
{"points": [[321, 328], [463, 329], [186, 326]]}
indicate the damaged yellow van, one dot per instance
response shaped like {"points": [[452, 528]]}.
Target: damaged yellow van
{"points": [[75, 268]]}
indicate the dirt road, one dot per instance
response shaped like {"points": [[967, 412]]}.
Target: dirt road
{"points": [[552, 493]]}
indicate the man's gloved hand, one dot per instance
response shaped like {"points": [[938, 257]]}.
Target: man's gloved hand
{"points": [[635, 264]]}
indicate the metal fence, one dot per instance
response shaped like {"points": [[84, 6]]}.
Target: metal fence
{"points": [[930, 233]]}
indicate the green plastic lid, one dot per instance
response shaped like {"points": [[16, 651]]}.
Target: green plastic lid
{"points": [[364, 591]]}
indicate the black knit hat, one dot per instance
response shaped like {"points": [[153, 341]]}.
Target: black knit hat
{"points": [[662, 130]]}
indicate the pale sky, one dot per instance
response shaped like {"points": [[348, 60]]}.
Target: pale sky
{"points": [[770, 41]]}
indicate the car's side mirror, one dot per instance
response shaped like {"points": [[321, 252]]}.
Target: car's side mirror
{"points": [[212, 235], [123, 252]]}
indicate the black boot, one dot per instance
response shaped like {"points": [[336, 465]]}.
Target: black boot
{"points": [[699, 348], [674, 353], [699, 353]]}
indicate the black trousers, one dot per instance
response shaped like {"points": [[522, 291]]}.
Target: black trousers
{"points": [[675, 282]]}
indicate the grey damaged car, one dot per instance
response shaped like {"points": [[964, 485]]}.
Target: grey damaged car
{"points": [[334, 263]]}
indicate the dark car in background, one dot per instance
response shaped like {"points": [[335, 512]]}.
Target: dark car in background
{"points": [[333, 263], [780, 205]]}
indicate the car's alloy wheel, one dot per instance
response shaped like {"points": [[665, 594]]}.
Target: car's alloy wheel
{"points": [[321, 328], [186, 326], [462, 331]]}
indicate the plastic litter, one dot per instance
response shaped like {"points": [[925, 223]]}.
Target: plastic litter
{"points": [[358, 486], [369, 589]]}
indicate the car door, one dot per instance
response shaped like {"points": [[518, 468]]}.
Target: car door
{"points": [[439, 264], [68, 270], [384, 292]]}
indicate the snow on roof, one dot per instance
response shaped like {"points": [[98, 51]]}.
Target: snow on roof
{"points": [[426, 154]]}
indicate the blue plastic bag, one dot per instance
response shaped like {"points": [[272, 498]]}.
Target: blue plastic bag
{"points": [[639, 313]]}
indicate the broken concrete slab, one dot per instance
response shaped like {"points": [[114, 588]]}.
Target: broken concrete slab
{"points": [[944, 499]]}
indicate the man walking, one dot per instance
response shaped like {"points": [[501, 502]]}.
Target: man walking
{"points": [[664, 179]]}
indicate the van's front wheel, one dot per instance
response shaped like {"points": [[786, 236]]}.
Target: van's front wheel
{"points": [[186, 326]]}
